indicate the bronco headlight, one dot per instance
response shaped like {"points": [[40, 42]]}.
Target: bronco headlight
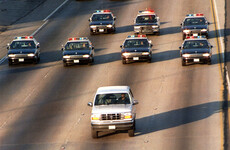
{"points": [[125, 54], [11, 55], [31, 55], [206, 55], [109, 26], [66, 56], [95, 116], [185, 55], [93, 26], [128, 116], [86, 56], [186, 31], [145, 53]]}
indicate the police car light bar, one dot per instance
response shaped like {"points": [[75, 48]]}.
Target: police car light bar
{"points": [[139, 35], [194, 15], [78, 38], [101, 11], [146, 11], [24, 37], [193, 37]]}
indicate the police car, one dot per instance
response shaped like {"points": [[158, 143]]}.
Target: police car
{"points": [[102, 21], [196, 50], [23, 49], [136, 48], [78, 50], [147, 22], [194, 24]]}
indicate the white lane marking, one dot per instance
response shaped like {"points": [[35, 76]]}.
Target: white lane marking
{"points": [[35, 32], [3, 59], [222, 43], [46, 21], [55, 10]]}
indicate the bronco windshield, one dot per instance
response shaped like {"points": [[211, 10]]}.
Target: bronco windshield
{"points": [[114, 98]]}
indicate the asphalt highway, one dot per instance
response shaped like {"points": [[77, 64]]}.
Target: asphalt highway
{"points": [[44, 106]]}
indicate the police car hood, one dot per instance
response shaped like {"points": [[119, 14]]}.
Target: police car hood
{"points": [[143, 24], [192, 51], [21, 51], [142, 49], [101, 22], [76, 52], [112, 108], [195, 27]]}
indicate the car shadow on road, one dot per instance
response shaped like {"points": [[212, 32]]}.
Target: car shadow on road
{"points": [[170, 30], [165, 55], [175, 118], [107, 58], [124, 29]]}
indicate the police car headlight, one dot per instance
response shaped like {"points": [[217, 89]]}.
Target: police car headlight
{"points": [[137, 27], [186, 31], [154, 27], [185, 55], [125, 54], [31, 55], [86, 56], [93, 26], [206, 55], [145, 53], [66, 56], [11, 55], [204, 30], [109, 26]]}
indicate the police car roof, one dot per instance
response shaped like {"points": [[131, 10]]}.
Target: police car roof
{"points": [[113, 89], [78, 39], [24, 38]]}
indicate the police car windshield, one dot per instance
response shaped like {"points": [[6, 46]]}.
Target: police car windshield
{"points": [[146, 19], [115, 98], [77, 46], [22, 45], [102, 17], [194, 44], [136, 43], [194, 21]]}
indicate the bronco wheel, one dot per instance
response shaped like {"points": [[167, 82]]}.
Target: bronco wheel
{"points": [[94, 134], [131, 133]]}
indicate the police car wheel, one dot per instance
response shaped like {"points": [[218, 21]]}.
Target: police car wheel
{"points": [[150, 60], [91, 33], [183, 63], [10, 63], [209, 62], [158, 33], [65, 64], [35, 61], [124, 61]]}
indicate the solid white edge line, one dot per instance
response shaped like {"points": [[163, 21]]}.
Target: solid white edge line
{"points": [[222, 44], [46, 21], [55, 10]]}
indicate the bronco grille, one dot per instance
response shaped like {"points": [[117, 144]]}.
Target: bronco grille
{"points": [[111, 116]]}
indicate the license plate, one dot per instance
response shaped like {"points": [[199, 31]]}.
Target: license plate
{"points": [[195, 34], [112, 127], [76, 61], [101, 30], [21, 59], [135, 58], [196, 60]]}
